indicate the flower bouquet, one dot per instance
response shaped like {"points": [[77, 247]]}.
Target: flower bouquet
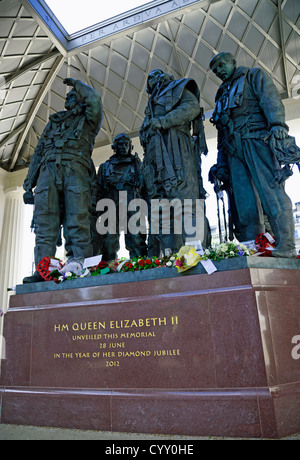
{"points": [[101, 269], [187, 258], [48, 268], [265, 243], [223, 251], [140, 263]]}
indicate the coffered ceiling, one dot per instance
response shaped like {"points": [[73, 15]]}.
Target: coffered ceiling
{"points": [[115, 58]]}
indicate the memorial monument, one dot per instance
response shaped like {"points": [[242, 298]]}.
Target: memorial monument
{"points": [[250, 117], [60, 171], [192, 352]]}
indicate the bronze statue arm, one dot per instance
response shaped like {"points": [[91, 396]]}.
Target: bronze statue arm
{"points": [[185, 112], [269, 100], [35, 164], [90, 97]]}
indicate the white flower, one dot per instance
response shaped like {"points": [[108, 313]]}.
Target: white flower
{"points": [[68, 274], [61, 278], [172, 259], [221, 248], [169, 264]]}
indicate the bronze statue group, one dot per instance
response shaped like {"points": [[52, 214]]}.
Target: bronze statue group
{"points": [[254, 154]]}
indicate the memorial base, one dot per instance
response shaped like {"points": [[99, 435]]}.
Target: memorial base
{"points": [[192, 354]]}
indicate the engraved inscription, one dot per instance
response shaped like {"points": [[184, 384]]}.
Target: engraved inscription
{"points": [[116, 341]]}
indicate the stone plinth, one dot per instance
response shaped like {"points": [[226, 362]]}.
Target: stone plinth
{"points": [[192, 354]]}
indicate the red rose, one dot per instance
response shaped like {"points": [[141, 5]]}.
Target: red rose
{"points": [[262, 244], [148, 262], [102, 264], [142, 263]]}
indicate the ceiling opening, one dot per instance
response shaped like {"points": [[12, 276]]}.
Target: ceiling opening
{"points": [[75, 15], [77, 24]]}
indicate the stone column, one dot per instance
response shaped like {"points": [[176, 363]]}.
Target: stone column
{"points": [[2, 208], [10, 249], [10, 243]]}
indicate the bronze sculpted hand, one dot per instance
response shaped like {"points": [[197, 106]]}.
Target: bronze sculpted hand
{"points": [[69, 81], [223, 175], [279, 132], [28, 197], [155, 124]]}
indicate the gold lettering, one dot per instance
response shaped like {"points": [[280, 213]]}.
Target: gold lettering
{"points": [[113, 346], [117, 345], [67, 355], [140, 322], [90, 326], [167, 352], [174, 319], [162, 321], [61, 327], [133, 354], [110, 336], [82, 355], [109, 354]]}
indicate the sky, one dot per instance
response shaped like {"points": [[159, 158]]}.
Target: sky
{"points": [[93, 12]]}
